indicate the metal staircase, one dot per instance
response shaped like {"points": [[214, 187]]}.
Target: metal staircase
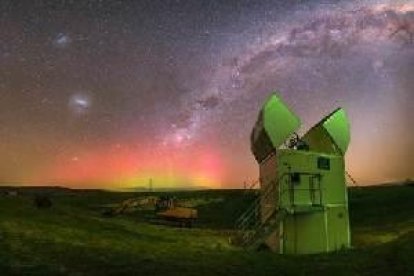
{"points": [[254, 227], [251, 188], [259, 235]]}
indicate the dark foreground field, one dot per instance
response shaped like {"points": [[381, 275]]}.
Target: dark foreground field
{"points": [[72, 238]]}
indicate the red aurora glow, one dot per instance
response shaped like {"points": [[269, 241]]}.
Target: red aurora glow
{"points": [[121, 167]]}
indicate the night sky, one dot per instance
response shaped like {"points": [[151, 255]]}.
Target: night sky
{"points": [[111, 93]]}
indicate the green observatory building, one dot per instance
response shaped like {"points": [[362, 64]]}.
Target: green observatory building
{"points": [[303, 204]]}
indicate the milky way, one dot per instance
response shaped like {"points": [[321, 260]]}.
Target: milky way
{"points": [[112, 93]]}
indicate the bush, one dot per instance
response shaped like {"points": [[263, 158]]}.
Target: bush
{"points": [[42, 202]]}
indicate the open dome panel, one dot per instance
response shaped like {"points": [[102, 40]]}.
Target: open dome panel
{"points": [[276, 122], [331, 134]]}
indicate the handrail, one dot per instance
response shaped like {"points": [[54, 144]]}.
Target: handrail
{"points": [[249, 219], [242, 220], [262, 228], [254, 206], [252, 185], [351, 178], [291, 190]]}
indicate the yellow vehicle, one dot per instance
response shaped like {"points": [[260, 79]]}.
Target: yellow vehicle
{"points": [[169, 212], [184, 216]]}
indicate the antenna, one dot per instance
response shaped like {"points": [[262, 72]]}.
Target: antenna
{"points": [[150, 185]]}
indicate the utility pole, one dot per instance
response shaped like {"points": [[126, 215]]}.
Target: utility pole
{"points": [[150, 185]]}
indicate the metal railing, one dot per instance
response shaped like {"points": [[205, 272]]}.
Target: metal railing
{"points": [[251, 223], [311, 188]]}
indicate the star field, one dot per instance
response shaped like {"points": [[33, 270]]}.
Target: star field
{"points": [[112, 93]]}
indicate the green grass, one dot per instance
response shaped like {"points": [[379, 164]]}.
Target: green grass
{"points": [[72, 238]]}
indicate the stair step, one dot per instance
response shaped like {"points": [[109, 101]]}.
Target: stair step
{"points": [[266, 229]]}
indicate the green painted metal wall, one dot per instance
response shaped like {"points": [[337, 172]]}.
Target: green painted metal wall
{"points": [[304, 234], [319, 216], [310, 181]]}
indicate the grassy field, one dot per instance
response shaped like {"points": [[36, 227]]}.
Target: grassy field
{"points": [[72, 238]]}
